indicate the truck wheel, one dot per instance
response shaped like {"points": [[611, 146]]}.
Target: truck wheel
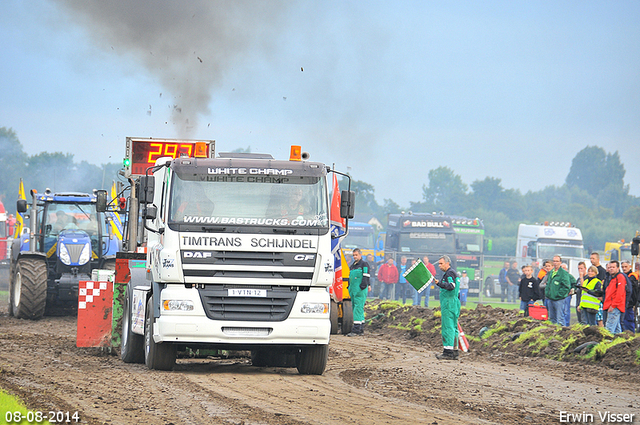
{"points": [[312, 360], [132, 346], [347, 317], [333, 315], [28, 292], [160, 356]]}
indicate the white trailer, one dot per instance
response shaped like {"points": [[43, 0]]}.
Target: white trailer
{"points": [[538, 242]]}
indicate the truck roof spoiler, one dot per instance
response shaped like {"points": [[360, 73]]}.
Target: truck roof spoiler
{"points": [[245, 155]]}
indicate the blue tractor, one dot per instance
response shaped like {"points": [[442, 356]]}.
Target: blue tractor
{"points": [[70, 234]]}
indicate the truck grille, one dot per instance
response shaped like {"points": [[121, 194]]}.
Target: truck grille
{"points": [[275, 307], [219, 267]]}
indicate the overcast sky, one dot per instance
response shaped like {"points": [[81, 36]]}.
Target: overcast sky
{"points": [[385, 90]]}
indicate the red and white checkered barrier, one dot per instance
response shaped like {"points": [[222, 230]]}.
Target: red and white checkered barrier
{"points": [[88, 290], [95, 307]]}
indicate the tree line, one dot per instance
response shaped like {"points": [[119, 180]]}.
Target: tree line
{"points": [[593, 196], [57, 171]]}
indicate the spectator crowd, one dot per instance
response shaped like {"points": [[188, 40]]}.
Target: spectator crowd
{"points": [[605, 297]]}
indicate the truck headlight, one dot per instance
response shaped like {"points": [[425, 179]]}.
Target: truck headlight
{"points": [[85, 255], [177, 305], [315, 308], [63, 254]]}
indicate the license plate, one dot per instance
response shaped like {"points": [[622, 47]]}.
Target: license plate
{"points": [[240, 292]]}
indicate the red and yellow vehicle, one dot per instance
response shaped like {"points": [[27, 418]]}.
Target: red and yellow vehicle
{"points": [[7, 226], [341, 309]]}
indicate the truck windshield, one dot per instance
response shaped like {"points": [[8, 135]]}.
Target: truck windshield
{"points": [[427, 242], [66, 216], [469, 242], [548, 251], [265, 201], [358, 241], [359, 237]]}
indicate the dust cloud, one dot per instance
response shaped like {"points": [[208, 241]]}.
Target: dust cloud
{"points": [[189, 46]]}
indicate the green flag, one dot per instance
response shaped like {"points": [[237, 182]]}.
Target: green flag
{"points": [[418, 276]]}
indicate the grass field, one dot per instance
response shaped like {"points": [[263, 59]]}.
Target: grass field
{"points": [[10, 405]]}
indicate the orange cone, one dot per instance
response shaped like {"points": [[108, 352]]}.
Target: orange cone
{"points": [[462, 340]]}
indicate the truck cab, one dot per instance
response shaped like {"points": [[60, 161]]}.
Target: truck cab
{"points": [[538, 242], [238, 257], [470, 245], [619, 251], [415, 235]]}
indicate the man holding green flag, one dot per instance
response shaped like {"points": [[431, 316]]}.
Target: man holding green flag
{"points": [[450, 309]]}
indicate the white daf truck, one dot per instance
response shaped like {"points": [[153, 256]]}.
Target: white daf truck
{"points": [[238, 256], [538, 242]]}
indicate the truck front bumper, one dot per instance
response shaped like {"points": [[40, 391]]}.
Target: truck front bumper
{"points": [[195, 327], [204, 330]]}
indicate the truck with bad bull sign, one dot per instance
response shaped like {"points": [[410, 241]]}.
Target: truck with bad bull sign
{"points": [[238, 253], [415, 235]]}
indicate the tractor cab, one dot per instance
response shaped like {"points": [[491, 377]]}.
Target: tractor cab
{"points": [[70, 236]]}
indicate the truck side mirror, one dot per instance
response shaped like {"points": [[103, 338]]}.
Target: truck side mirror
{"points": [[21, 205], [635, 246], [150, 212], [101, 201], [147, 185], [347, 204]]}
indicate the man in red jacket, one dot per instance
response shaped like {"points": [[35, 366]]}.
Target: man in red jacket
{"points": [[388, 276], [615, 298]]}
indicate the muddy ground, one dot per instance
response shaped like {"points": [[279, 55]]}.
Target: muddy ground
{"points": [[388, 376]]}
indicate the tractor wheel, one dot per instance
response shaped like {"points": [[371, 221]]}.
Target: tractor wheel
{"points": [[132, 345], [312, 360], [109, 265], [333, 315], [159, 356], [28, 291], [347, 317]]}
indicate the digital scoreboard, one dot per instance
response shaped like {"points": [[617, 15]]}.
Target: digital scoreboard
{"points": [[142, 153]]}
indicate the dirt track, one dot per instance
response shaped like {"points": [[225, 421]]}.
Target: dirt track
{"points": [[369, 380]]}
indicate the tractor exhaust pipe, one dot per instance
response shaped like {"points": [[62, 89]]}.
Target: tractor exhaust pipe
{"points": [[33, 220]]}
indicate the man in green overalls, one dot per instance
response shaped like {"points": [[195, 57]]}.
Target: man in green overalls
{"points": [[358, 287], [450, 309]]}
